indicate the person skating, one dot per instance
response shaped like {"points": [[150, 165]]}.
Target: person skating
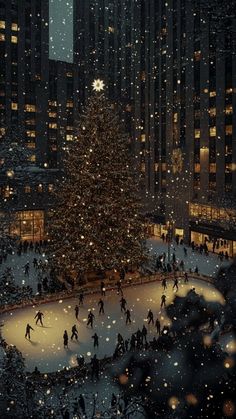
{"points": [[65, 339], [150, 317], [163, 300], [164, 283], [82, 404], [123, 304], [74, 332], [27, 266], [39, 316], [27, 331], [185, 277], [144, 334], [91, 318], [95, 340], [196, 270], [77, 312], [128, 316], [81, 298], [103, 289], [101, 304], [176, 284], [185, 252], [158, 326], [119, 289]]}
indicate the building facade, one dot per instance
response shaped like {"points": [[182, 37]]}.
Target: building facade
{"points": [[36, 111]]}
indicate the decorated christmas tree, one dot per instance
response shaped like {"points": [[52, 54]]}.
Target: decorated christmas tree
{"points": [[96, 223]]}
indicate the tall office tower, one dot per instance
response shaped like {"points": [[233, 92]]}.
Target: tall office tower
{"points": [[36, 106]]}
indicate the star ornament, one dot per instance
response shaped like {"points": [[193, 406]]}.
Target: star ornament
{"points": [[98, 85]]}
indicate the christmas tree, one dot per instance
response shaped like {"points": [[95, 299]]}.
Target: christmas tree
{"points": [[96, 223]]}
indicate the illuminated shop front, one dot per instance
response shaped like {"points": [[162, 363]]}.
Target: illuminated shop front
{"points": [[29, 225]]}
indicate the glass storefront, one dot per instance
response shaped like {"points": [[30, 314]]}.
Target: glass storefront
{"points": [[29, 225], [214, 244]]}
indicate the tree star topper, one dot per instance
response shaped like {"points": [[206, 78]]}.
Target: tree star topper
{"points": [[98, 85]]}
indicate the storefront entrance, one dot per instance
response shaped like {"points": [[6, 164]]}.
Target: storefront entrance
{"points": [[214, 244], [29, 225]]}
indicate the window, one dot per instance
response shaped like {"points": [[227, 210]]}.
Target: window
{"points": [[14, 106], [69, 104], [229, 129], [111, 29], [212, 167], [31, 145], [2, 24], [69, 74], [175, 117], [27, 189], [197, 167], [156, 167], [14, 39], [197, 133], [69, 137], [30, 122], [52, 114], [229, 110], [229, 91], [32, 158], [40, 188], [197, 55], [2, 37], [31, 133], [14, 27], [52, 125], [143, 167], [30, 108], [50, 187], [52, 102], [69, 128], [212, 112], [212, 131], [213, 93], [143, 138]]}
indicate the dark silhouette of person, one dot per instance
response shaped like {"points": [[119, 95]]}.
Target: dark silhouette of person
{"points": [[91, 318], [103, 289], [101, 304], [128, 316], [144, 333], [74, 332], [164, 283], [158, 326], [81, 298], [176, 284], [95, 367], [82, 404], [39, 317], [150, 317], [123, 304], [77, 312], [163, 300], [185, 277], [95, 340], [27, 331], [65, 339]]}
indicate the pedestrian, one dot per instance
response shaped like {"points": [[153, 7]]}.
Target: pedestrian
{"points": [[77, 312], [163, 300], [144, 334], [150, 317], [39, 316], [81, 298], [27, 266], [82, 404], [185, 277], [101, 304], [158, 326], [91, 318], [126, 345], [103, 289], [95, 367], [181, 265], [27, 331], [123, 304], [176, 284], [95, 340], [185, 252], [164, 283], [35, 263], [128, 316], [65, 339], [119, 289], [74, 332], [173, 258], [196, 270]]}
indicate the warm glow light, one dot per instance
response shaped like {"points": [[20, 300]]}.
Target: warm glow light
{"points": [[98, 85]]}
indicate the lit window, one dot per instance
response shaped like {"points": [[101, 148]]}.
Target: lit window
{"points": [[69, 137], [69, 128], [27, 189], [197, 168], [50, 187], [30, 108], [175, 117], [197, 113], [30, 122], [212, 112], [213, 93], [69, 104], [212, 168], [229, 91], [229, 129], [197, 133], [40, 188], [111, 29], [14, 39], [2, 131], [197, 55], [52, 125], [156, 167], [52, 102], [14, 27], [32, 158], [143, 76], [143, 138], [229, 110], [2, 24], [30, 133], [212, 131], [30, 145], [69, 74], [14, 106], [2, 37], [143, 167], [163, 167], [52, 114]]}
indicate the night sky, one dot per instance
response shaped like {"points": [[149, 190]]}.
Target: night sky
{"points": [[61, 29]]}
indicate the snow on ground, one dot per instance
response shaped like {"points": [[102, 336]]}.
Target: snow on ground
{"points": [[46, 348]]}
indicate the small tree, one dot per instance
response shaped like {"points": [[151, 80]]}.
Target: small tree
{"points": [[96, 224]]}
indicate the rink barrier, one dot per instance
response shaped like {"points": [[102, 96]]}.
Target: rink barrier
{"points": [[90, 289]]}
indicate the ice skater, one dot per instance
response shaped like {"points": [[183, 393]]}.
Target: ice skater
{"points": [[150, 317], [74, 332], [158, 326], [163, 300], [65, 339], [91, 318], [77, 312], [185, 277], [95, 340], [27, 331], [101, 304], [144, 334], [128, 317], [103, 289], [119, 288], [81, 298], [176, 284], [27, 267], [39, 316], [164, 283], [123, 304]]}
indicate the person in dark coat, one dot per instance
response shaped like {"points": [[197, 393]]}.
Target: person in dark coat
{"points": [[65, 339], [74, 332], [77, 312], [144, 334], [91, 318], [150, 317], [185, 277], [164, 283], [163, 300], [27, 331], [176, 284], [128, 317], [158, 326], [39, 317], [81, 298], [103, 289], [95, 340], [123, 304], [101, 304], [95, 367]]}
